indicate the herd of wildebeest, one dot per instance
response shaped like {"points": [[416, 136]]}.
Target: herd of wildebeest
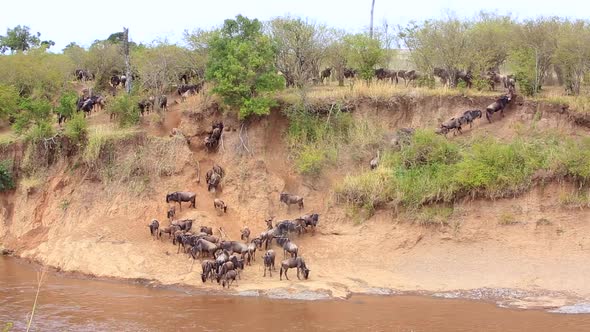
{"points": [[223, 259]]}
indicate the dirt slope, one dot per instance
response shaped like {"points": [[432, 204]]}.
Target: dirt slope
{"points": [[76, 223]]}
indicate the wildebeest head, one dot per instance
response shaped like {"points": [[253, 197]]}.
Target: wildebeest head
{"points": [[306, 273], [169, 197]]}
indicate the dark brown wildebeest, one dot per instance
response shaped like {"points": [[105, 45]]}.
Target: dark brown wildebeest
{"points": [[219, 205], [269, 261], [208, 271], [288, 246], [229, 278], [182, 196], [163, 102], [202, 246], [452, 123], [326, 73], [309, 220], [171, 213], [184, 224], [290, 263], [349, 73], [497, 106], [289, 199], [443, 75], [154, 229], [470, 116]]}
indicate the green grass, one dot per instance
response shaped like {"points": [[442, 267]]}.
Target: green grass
{"points": [[432, 169], [318, 140]]}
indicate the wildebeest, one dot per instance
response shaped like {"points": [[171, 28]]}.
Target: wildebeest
{"points": [[466, 77], [214, 176], [234, 246], [269, 261], [219, 205], [289, 199], [115, 81], [154, 228], [208, 271], [245, 234], [167, 230], [287, 226], [296, 262], [185, 224], [386, 74], [144, 106], [83, 75], [443, 75], [452, 123], [98, 102], [288, 246], [171, 213], [497, 106], [309, 220], [470, 116], [182, 196], [163, 102], [202, 246], [326, 73], [206, 230], [349, 73], [224, 268], [229, 278], [408, 76], [212, 140]]}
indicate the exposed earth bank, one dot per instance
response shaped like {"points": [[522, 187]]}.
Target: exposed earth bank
{"points": [[75, 221]]}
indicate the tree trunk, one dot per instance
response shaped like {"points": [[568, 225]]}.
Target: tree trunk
{"points": [[371, 26], [127, 62]]}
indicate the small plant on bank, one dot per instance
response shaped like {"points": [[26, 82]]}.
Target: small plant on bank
{"points": [[6, 180]]}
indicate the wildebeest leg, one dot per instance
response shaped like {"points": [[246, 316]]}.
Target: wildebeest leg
{"points": [[488, 116], [298, 274], [286, 277]]}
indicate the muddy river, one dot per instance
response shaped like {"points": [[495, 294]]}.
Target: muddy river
{"points": [[68, 303]]}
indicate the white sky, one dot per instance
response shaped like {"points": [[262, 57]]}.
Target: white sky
{"points": [[64, 21]]}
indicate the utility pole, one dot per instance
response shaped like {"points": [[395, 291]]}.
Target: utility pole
{"points": [[127, 63], [371, 26]]}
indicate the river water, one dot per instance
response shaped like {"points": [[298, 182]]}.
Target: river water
{"points": [[69, 303]]}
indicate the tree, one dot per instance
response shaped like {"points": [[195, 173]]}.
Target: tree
{"points": [[439, 43], [8, 101], [33, 113], [338, 52], [160, 66], [301, 47], [241, 66], [105, 59], [572, 54], [371, 26], [489, 41], [21, 39], [538, 39], [365, 54]]}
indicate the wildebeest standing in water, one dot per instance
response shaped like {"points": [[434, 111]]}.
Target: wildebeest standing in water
{"points": [[182, 196]]}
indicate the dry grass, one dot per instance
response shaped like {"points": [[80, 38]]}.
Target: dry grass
{"points": [[375, 92], [578, 104], [100, 136], [31, 182], [7, 139]]}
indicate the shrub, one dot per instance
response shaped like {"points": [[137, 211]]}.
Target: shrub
{"points": [[125, 108], [77, 129], [40, 131], [67, 104], [6, 181]]}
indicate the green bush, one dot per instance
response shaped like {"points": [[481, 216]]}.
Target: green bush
{"points": [[6, 181], [77, 129], [67, 104], [125, 108], [431, 169], [40, 131]]}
